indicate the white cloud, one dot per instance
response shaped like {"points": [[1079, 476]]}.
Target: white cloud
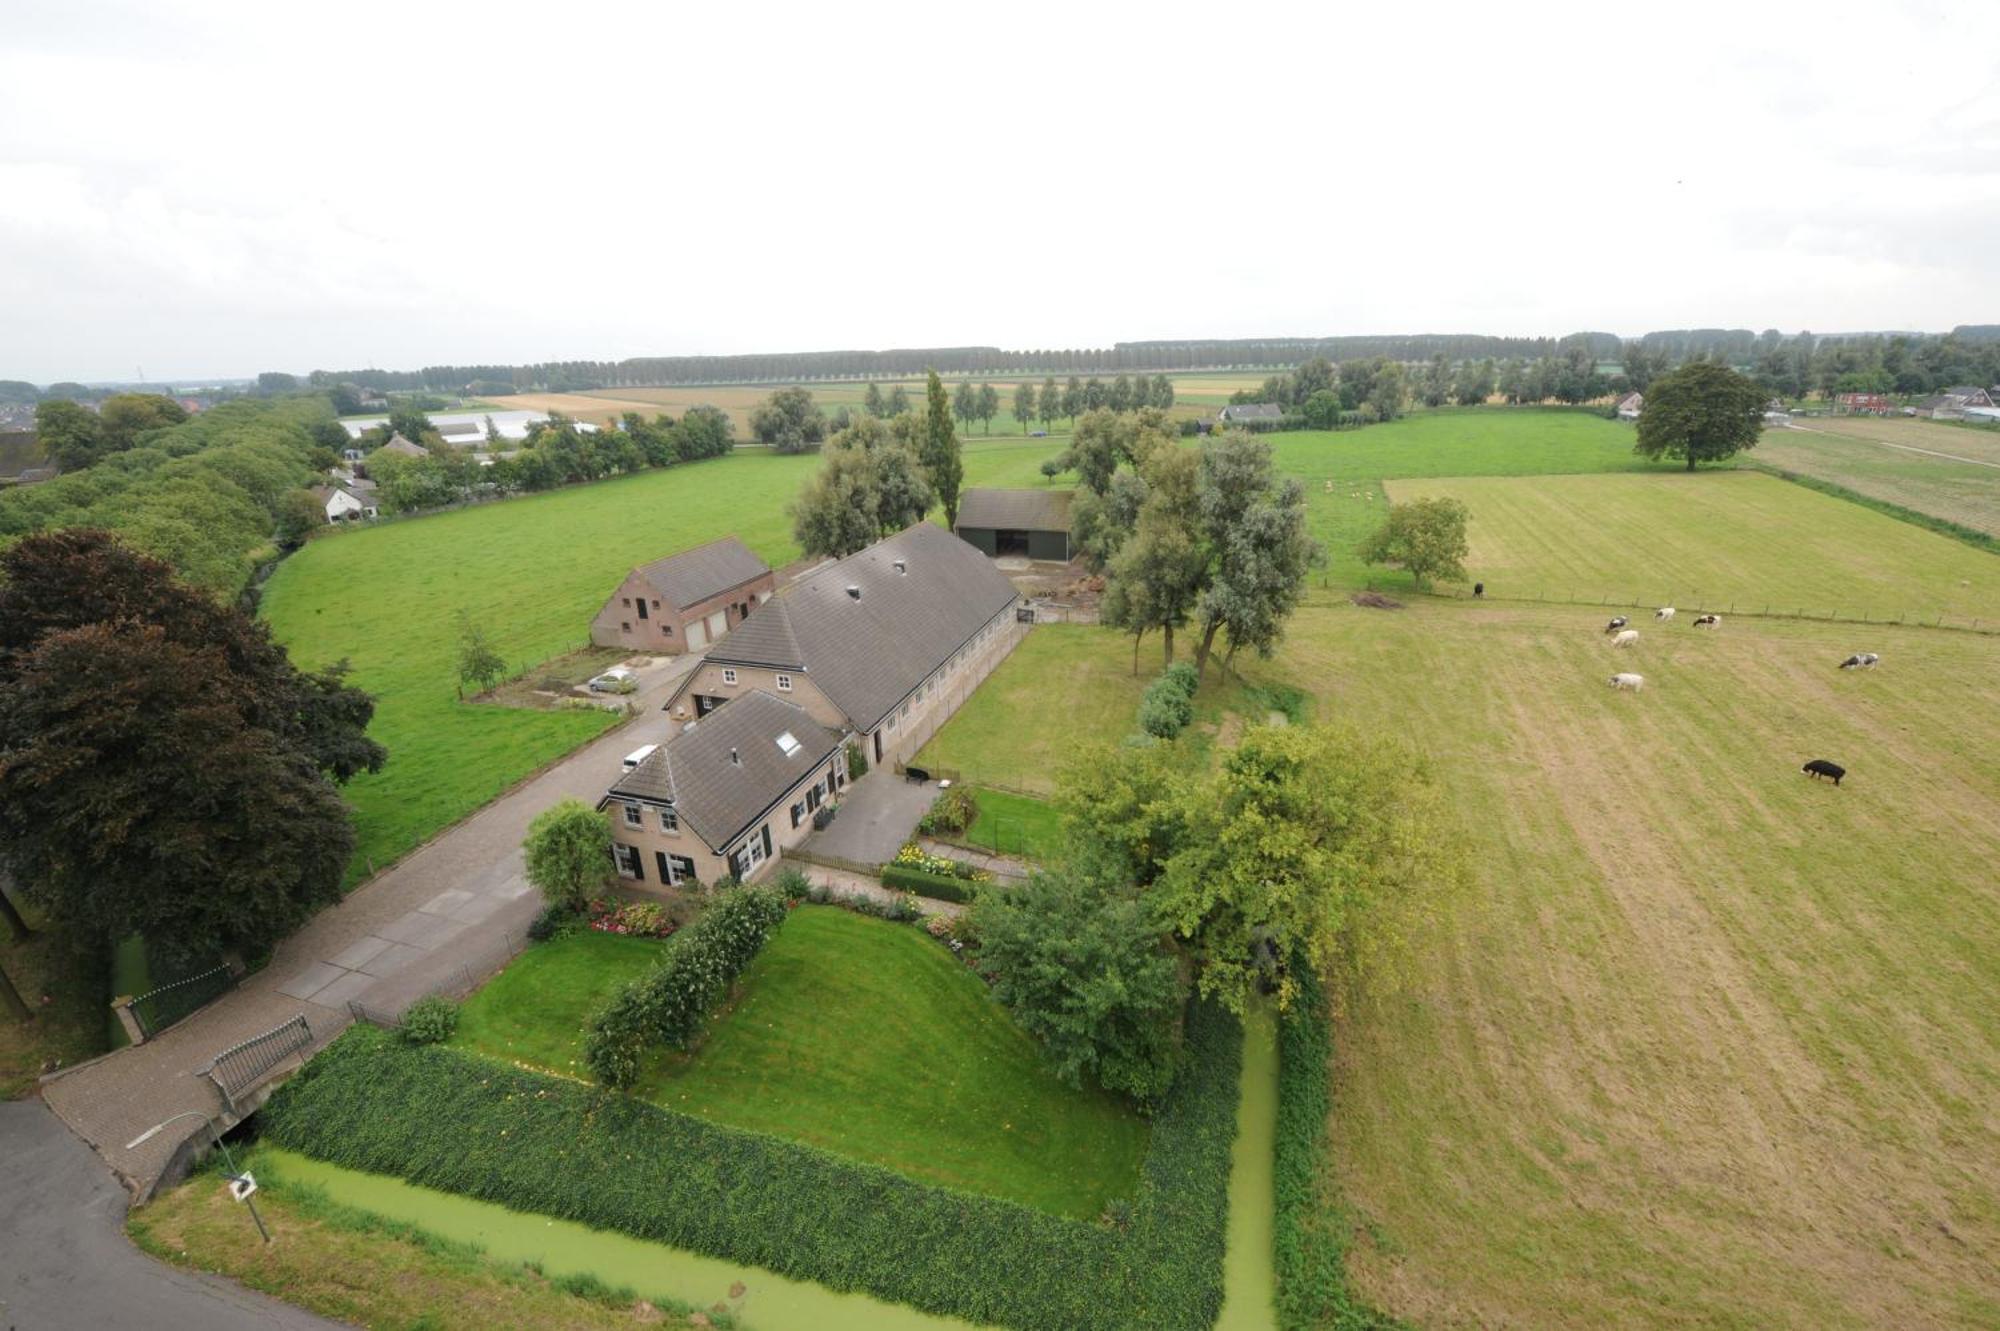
{"points": [[220, 188]]}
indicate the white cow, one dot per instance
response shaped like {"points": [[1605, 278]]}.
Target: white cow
{"points": [[1632, 682], [1626, 639], [1664, 613]]}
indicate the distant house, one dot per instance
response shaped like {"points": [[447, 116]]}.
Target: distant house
{"points": [[1245, 412], [1034, 523], [725, 797], [343, 505], [462, 434], [884, 644], [1952, 404], [684, 602], [1630, 406], [402, 447], [1875, 404]]}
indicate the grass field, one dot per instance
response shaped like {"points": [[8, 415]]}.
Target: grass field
{"points": [[63, 984], [531, 571], [1881, 459], [1015, 825], [1717, 540], [536, 1011], [870, 1040]]}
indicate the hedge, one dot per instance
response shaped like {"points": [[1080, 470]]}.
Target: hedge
{"points": [[937, 886], [1309, 1241], [667, 1004], [443, 1118]]}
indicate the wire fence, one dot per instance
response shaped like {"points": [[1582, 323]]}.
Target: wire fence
{"points": [[457, 979], [1759, 609], [162, 1007]]}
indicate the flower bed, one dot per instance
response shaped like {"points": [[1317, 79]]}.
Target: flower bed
{"points": [[913, 856], [638, 919]]}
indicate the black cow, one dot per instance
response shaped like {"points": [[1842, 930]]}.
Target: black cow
{"points": [[1617, 622], [1820, 767]]}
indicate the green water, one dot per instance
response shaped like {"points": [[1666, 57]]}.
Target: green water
{"points": [[562, 1247], [1249, 1274]]}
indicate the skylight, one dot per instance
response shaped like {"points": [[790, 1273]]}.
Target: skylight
{"points": [[790, 744]]}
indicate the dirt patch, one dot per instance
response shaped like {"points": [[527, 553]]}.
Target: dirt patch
{"points": [[1376, 601], [546, 687]]}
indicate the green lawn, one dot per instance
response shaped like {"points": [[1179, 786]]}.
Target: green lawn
{"points": [[1015, 825], [1878, 458], [870, 1040], [536, 1010], [531, 572], [1720, 540]]}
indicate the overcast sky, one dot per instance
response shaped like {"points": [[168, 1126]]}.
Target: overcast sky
{"points": [[221, 188]]}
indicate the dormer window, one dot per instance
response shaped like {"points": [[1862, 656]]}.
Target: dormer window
{"points": [[784, 683]]}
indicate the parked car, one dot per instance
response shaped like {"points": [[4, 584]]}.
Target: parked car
{"points": [[618, 679], [639, 755]]}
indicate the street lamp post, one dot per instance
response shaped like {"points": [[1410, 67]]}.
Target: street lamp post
{"points": [[234, 1175]]}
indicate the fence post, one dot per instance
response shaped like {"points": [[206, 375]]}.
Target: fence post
{"points": [[128, 1019]]}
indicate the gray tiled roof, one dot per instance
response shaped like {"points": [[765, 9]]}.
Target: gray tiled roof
{"points": [[398, 444], [866, 654], [692, 576], [1252, 411], [717, 798], [1015, 510]]}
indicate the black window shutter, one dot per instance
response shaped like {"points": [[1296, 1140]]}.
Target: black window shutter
{"points": [[767, 841]]}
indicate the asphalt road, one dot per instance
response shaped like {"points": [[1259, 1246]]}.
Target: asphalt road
{"points": [[65, 1262]]}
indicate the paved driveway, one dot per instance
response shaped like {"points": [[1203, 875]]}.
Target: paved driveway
{"points": [[877, 815], [446, 916], [65, 1261]]}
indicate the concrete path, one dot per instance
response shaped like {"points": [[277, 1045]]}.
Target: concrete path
{"points": [[1005, 868], [842, 883], [877, 815], [442, 919], [65, 1260]]}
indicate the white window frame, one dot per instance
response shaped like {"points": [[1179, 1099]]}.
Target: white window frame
{"points": [[728, 675], [751, 853], [634, 816], [784, 683], [629, 871], [670, 822]]}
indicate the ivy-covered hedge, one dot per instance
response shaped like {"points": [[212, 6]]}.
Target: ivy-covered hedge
{"points": [[1311, 1248], [937, 886], [446, 1119], [667, 1004]]}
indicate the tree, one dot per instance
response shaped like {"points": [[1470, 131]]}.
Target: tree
{"points": [[478, 662], [1253, 524], [964, 403], [989, 405], [1085, 969], [1308, 842], [940, 455], [299, 516], [346, 399], [70, 436], [1426, 537], [277, 381], [871, 401], [416, 427], [1162, 395], [568, 853], [126, 416], [789, 421], [870, 485], [1049, 402], [703, 432], [1434, 383], [1701, 412], [1120, 396], [1157, 577], [1322, 410], [1025, 399], [1072, 399], [898, 401]]}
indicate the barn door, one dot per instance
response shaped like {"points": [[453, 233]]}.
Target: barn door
{"points": [[697, 636]]}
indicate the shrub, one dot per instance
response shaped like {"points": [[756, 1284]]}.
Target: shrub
{"points": [[557, 920], [668, 1004], [568, 851], [857, 761], [937, 886], [950, 814], [447, 1119], [791, 884], [430, 1020], [1168, 705]]}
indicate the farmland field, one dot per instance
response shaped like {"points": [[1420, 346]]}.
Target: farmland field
{"points": [[1881, 459]]}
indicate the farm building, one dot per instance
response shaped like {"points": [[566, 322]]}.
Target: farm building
{"points": [[684, 602], [725, 797], [1243, 413], [1861, 403], [1953, 403], [403, 448], [1034, 523], [343, 505], [1630, 406], [884, 645]]}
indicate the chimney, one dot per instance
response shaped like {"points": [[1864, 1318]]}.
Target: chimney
{"points": [[902, 567], [734, 759], [854, 591]]}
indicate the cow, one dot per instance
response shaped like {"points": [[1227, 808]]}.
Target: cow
{"points": [[1820, 767], [1478, 589], [1625, 638], [1664, 613], [1617, 622], [1860, 661], [1708, 621], [1627, 681]]}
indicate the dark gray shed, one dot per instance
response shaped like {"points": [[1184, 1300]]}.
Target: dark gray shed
{"points": [[1034, 523]]}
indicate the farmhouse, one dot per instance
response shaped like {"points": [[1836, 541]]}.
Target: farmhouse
{"points": [[684, 602], [1630, 406], [402, 447], [725, 797], [343, 505], [884, 644], [1244, 412], [1034, 523], [1953, 403]]}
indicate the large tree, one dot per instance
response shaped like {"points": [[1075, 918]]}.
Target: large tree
{"points": [[568, 853], [1025, 399], [1085, 968], [1701, 412], [1156, 579], [1426, 537], [70, 436], [869, 485], [1254, 523], [126, 416], [943, 464], [789, 421], [989, 406]]}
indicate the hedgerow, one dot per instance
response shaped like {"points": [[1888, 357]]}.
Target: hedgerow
{"points": [[446, 1119], [1311, 1249], [667, 1004], [937, 886]]}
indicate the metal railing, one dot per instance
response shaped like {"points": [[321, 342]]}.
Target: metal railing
{"points": [[162, 1007], [244, 1066]]}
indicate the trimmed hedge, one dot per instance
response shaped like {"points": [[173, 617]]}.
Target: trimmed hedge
{"points": [[443, 1118], [1310, 1246], [937, 886], [667, 1004], [1168, 704]]}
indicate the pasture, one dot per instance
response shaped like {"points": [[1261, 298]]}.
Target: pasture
{"points": [[1726, 540], [1943, 470]]}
